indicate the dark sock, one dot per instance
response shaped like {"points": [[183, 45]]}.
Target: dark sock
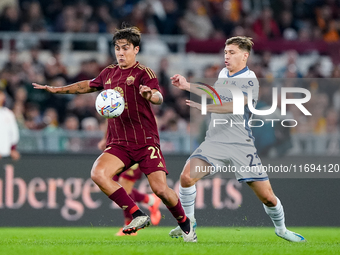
{"points": [[124, 201], [138, 213], [178, 212], [185, 226]]}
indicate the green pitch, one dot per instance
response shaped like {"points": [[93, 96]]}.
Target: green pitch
{"points": [[155, 240]]}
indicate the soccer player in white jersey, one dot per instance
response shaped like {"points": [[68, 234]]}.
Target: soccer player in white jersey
{"points": [[225, 145]]}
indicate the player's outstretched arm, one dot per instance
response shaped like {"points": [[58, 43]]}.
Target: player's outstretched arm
{"points": [[180, 82], [152, 95], [80, 87]]}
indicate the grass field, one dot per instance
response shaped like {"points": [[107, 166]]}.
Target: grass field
{"points": [[155, 240]]}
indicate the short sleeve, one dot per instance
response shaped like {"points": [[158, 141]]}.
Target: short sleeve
{"points": [[98, 81], [149, 79]]}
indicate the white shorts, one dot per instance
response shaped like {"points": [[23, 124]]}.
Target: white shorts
{"points": [[240, 159]]}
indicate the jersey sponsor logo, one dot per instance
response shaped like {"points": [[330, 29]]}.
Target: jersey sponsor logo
{"points": [[160, 164], [130, 80], [120, 90], [225, 98], [108, 81]]}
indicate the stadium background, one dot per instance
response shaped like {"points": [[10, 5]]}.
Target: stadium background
{"points": [[59, 42]]}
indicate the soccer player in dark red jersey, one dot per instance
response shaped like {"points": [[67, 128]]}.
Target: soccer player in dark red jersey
{"points": [[133, 136]]}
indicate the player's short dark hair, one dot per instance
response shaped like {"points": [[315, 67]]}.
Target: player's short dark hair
{"points": [[131, 34], [243, 42]]}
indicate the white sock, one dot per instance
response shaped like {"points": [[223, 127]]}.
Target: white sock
{"points": [[151, 200], [277, 215], [187, 197]]}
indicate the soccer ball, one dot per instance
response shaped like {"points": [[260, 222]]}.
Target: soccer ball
{"points": [[110, 103]]}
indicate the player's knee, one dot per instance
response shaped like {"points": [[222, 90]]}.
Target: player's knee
{"points": [[97, 175], [186, 180], [269, 200], [160, 192]]}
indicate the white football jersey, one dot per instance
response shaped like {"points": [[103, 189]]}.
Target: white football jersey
{"points": [[230, 128], [9, 132]]}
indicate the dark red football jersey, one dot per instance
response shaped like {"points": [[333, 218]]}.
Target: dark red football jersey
{"points": [[137, 124]]}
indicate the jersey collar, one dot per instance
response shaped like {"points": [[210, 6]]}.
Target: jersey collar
{"points": [[135, 65], [239, 72]]}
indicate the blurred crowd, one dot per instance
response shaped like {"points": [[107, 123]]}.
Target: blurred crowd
{"points": [[261, 19], [302, 20], [38, 109]]}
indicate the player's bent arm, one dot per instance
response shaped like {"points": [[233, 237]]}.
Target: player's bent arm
{"points": [[152, 95], [197, 89], [180, 82], [226, 107], [80, 87], [156, 97]]}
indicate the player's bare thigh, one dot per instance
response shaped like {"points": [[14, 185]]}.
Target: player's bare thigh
{"points": [[264, 192], [189, 175], [107, 165]]}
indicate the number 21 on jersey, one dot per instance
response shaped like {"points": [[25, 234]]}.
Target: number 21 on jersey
{"points": [[154, 152]]}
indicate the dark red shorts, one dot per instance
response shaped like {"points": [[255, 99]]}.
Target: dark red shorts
{"points": [[131, 174], [149, 157]]}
